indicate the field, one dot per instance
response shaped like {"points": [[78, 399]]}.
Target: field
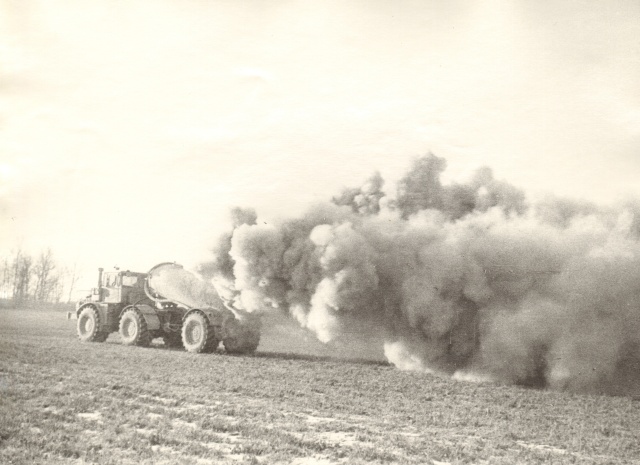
{"points": [[62, 401]]}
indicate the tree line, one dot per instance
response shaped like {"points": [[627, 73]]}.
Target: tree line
{"points": [[39, 278]]}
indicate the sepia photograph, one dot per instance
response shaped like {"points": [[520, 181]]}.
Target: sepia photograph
{"points": [[319, 232]]}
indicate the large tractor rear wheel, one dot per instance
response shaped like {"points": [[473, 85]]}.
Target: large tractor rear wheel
{"points": [[240, 338], [133, 328], [197, 335], [247, 344], [89, 326]]}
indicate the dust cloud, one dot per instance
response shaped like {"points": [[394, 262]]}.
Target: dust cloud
{"points": [[467, 279]]}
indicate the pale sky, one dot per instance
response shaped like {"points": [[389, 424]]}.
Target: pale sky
{"points": [[129, 128]]}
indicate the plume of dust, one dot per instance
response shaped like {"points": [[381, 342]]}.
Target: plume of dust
{"points": [[221, 266], [465, 279]]}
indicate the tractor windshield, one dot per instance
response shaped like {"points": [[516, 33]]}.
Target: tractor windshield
{"points": [[131, 281]]}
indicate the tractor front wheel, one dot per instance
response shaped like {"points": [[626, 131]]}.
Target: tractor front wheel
{"points": [[197, 335], [133, 328], [89, 326]]}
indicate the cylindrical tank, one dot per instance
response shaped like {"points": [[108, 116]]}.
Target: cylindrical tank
{"points": [[170, 282]]}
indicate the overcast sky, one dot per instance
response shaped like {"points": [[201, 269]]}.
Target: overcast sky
{"points": [[129, 128]]}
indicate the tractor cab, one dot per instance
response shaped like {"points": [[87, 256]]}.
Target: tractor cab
{"points": [[118, 287], [122, 287]]}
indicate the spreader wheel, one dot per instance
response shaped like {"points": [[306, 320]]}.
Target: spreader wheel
{"points": [[245, 345], [240, 338], [197, 335]]}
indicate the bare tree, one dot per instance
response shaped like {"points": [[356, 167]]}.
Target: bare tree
{"points": [[45, 276], [72, 281], [22, 278], [15, 269], [22, 267], [57, 287], [6, 282]]}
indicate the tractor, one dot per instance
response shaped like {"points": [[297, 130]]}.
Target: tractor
{"points": [[156, 304]]}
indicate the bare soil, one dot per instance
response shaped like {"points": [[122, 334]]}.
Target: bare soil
{"points": [[62, 401]]}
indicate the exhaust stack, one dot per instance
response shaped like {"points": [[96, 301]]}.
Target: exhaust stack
{"points": [[100, 270]]}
